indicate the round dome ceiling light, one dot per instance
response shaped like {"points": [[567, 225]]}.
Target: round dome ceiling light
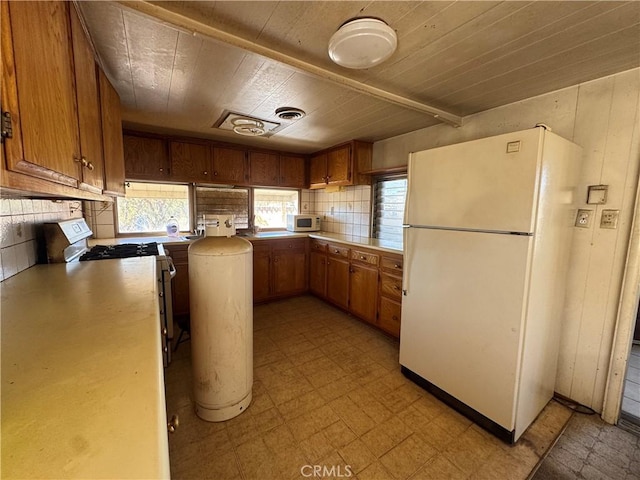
{"points": [[290, 113], [362, 43], [248, 127]]}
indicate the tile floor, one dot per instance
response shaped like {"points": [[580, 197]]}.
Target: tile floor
{"points": [[631, 398], [592, 449], [328, 393]]}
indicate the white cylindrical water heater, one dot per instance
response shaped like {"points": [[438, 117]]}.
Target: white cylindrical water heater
{"points": [[221, 304]]}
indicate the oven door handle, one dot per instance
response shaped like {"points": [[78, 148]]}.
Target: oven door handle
{"points": [[172, 267]]}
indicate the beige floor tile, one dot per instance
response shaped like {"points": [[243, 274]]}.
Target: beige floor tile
{"points": [[406, 458], [290, 462], [215, 466], [339, 434], [502, 467], [470, 451], [283, 392], [267, 420], [302, 404], [357, 455], [279, 438], [317, 446], [312, 422], [452, 422], [355, 418], [333, 467], [375, 471], [439, 468]]}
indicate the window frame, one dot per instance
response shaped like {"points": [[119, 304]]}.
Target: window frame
{"points": [[190, 198], [252, 205], [374, 233]]}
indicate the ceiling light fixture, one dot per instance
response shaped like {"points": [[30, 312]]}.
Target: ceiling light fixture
{"points": [[362, 43], [248, 127]]}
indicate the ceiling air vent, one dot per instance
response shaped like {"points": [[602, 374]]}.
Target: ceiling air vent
{"points": [[290, 113]]}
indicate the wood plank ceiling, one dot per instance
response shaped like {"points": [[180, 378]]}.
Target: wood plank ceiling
{"points": [[462, 57]]}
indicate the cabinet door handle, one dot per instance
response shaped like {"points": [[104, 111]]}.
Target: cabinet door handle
{"points": [[215, 174], [82, 161], [396, 287], [396, 266], [395, 317], [336, 251], [161, 170], [90, 166], [362, 257], [173, 423], [205, 173]]}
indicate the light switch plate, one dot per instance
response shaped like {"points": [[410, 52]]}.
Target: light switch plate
{"points": [[609, 219], [597, 194], [583, 218]]}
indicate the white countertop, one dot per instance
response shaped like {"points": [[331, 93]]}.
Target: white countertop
{"points": [[82, 375], [353, 240]]}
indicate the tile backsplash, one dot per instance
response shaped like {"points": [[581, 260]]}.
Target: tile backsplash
{"points": [[100, 218], [21, 229], [347, 211]]}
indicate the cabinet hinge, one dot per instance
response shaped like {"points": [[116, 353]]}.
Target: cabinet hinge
{"points": [[6, 129]]}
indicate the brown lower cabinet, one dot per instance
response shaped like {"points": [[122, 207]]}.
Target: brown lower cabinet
{"points": [[366, 283], [280, 268]]}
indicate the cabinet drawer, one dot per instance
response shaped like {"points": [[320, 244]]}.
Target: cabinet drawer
{"points": [[391, 286], [393, 264], [261, 247], [390, 312], [289, 245], [318, 246], [338, 251], [365, 257]]}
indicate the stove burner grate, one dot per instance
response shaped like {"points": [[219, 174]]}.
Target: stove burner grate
{"points": [[125, 250]]}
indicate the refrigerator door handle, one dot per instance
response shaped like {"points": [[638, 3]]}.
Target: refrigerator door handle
{"points": [[405, 219], [407, 263]]}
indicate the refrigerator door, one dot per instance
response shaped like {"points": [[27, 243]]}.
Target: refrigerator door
{"points": [[462, 316], [487, 184]]}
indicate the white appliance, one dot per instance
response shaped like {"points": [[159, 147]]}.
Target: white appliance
{"points": [[303, 223], [488, 225], [221, 308]]}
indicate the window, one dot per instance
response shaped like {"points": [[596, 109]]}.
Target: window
{"points": [[270, 207], [389, 198], [146, 207], [213, 201]]}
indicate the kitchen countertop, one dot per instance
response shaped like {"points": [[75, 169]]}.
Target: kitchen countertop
{"points": [[353, 240], [82, 375]]}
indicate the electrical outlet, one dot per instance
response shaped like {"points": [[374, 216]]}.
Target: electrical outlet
{"points": [[583, 219], [609, 219]]}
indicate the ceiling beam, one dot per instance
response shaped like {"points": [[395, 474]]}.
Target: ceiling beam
{"points": [[194, 27]]}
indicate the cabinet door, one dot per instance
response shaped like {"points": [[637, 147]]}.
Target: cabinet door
{"points": [[289, 272], [229, 166], [363, 288], [339, 166], [88, 100], [292, 171], [261, 272], [389, 319], [111, 137], [145, 158], [338, 282], [318, 171], [263, 169], [190, 162], [318, 274], [45, 97]]}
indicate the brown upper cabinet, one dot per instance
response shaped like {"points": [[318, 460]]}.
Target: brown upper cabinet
{"points": [[111, 137], [293, 171], [264, 168], [190, 162], [229, 166], [270, 169], [92, 175], [53, 99], [145, 158], [341, 165], [44, 106]]}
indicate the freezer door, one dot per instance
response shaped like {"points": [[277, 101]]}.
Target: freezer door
{"points": [[487, 184], [462, 316]]}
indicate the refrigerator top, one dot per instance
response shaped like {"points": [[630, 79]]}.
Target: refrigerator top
{"points": [[490, 185]]}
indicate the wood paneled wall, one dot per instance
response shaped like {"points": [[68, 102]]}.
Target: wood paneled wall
{"points": [[602, 117]]}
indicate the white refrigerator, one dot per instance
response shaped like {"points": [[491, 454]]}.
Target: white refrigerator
{"points": [[488, 227]]}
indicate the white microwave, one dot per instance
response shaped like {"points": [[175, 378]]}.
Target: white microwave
{"points": [[303, 223]]}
